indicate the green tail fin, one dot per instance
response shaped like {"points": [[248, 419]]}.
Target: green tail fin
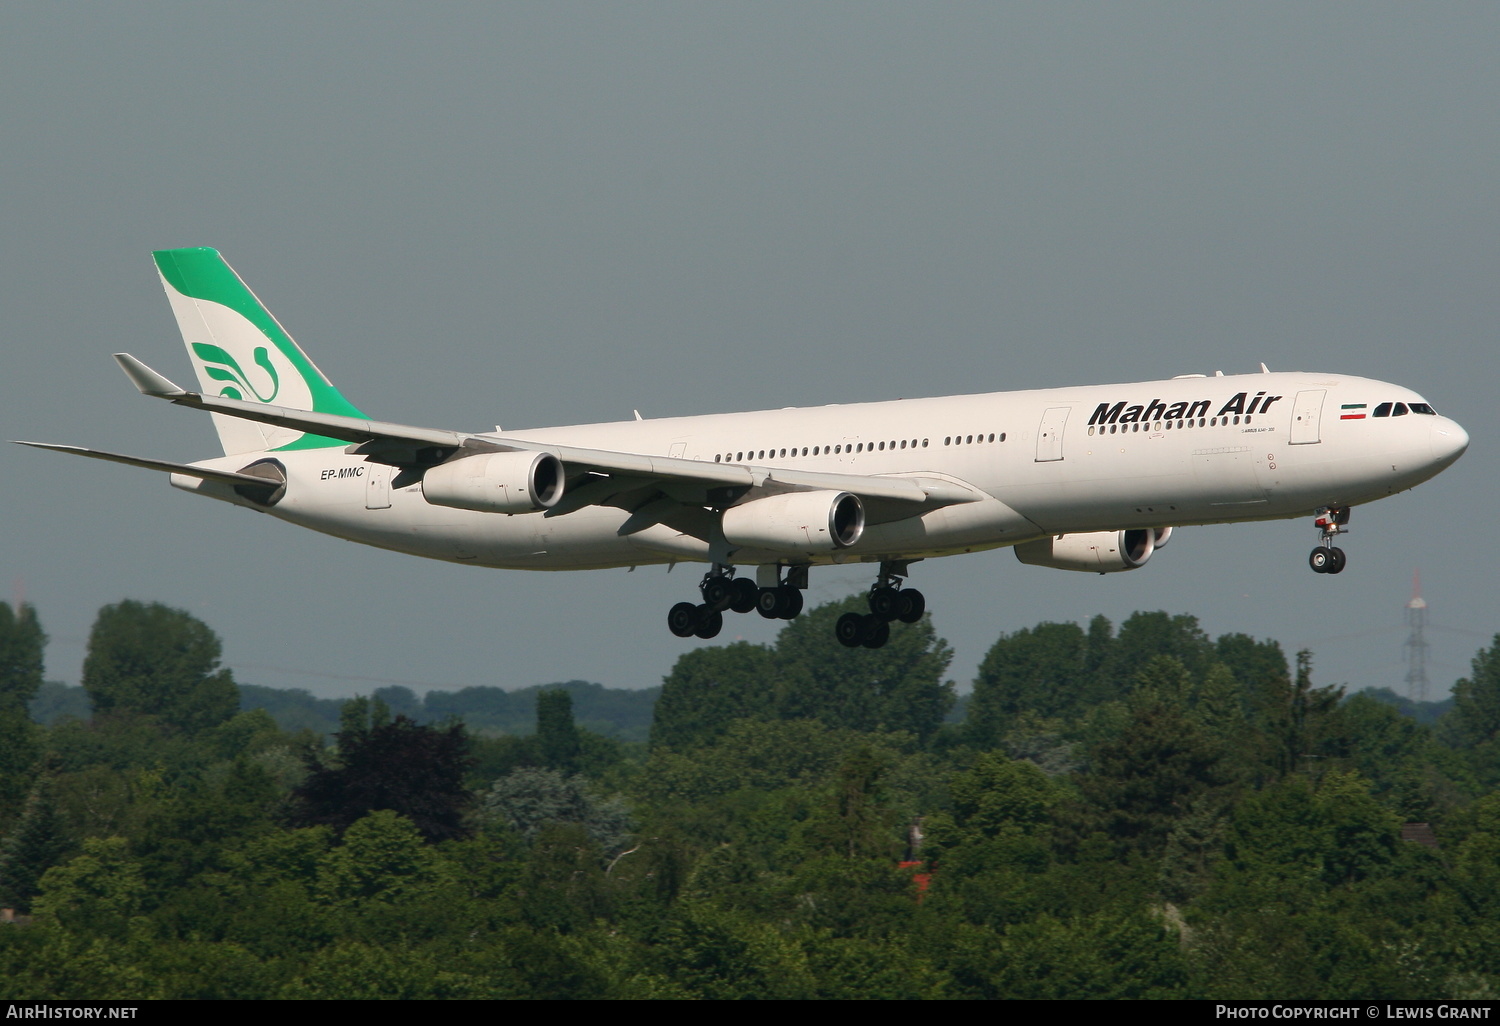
{"points": [[240, 351]]}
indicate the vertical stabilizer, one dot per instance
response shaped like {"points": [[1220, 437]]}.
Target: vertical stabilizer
{"points": [[240, 351]]}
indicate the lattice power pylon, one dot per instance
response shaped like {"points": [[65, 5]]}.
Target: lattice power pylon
{"points": [[1416, 642]]}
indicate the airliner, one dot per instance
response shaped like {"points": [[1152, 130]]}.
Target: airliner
{"points": [[1088, 478]]}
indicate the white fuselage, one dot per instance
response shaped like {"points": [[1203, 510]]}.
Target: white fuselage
{"points": [[1193, 450]]}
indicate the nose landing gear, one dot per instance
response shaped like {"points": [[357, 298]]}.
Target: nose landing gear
{"points": [[1327, 558]]}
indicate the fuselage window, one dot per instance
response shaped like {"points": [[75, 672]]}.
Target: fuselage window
{"points": [[1236, 420], [716, 457], [1002, 436], [947, 440], [739, 457], [1247, 420], [882, 447], [924, 443]]}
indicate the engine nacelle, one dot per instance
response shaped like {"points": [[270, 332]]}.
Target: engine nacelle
{"points": [[497, 482], [1103, 552], [796, 522]]}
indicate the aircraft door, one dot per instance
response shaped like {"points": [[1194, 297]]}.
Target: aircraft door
{"points": [[1307, 416], [1049, 437], [377, 486]]}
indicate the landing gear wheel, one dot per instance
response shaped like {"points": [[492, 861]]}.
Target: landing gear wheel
{"points": [[682, 619], [913, 605], [710, 622], [718, 592], [1321, 559], [791, 604], [781, 603], [742, 600], [850, 630], [1337, 559], [769, 603], [877, 632], [885, 604]]}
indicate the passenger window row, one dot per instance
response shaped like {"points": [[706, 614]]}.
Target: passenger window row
{"points": [[1168, 425], [972, 439], [817, 450]]}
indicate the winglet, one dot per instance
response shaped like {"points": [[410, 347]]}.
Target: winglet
{"points": [[147, 380]]}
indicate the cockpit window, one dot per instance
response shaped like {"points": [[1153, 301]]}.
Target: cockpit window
{"points": [[1399, 411], [1423, 408], [1383, 410]]}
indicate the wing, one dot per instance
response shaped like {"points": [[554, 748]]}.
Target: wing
{"points": [[228, 477], [654, 489]]}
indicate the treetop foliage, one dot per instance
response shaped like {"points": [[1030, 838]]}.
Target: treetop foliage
{"points": [[150, 659], [413, 770], [1131, 812]]}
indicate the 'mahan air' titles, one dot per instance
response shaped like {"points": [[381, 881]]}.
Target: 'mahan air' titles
{"points": [[1241, 404]]}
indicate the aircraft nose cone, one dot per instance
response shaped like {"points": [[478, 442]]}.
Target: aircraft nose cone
{"points": [[1448, 441]]}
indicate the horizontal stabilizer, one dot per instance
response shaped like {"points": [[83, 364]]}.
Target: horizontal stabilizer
{"points": [[147, 380], [228, 477]]}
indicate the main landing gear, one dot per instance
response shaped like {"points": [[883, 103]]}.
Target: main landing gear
{"points": [[888, 602], [722, 591], [1326, 558], [778, 599]]}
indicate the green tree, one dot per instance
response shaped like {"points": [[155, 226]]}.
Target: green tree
{"points": [[413, 770], [21, 644], [96, 892], [1474, 722], [708, 689], [556, 736], [1299, 833], [157, 661], [526, 800], [899, 687], [856, 821], [382, 857], [989, 851], [1145, 777], [563, 887], [1147, 636], [35, 846], [1046, 670]]}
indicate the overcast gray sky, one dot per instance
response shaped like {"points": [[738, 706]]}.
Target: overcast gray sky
{"points": [[552, 213]]}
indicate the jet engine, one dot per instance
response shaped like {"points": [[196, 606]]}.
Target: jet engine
{"points": [[819, 521], [497, 482], [1103, 552]]}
